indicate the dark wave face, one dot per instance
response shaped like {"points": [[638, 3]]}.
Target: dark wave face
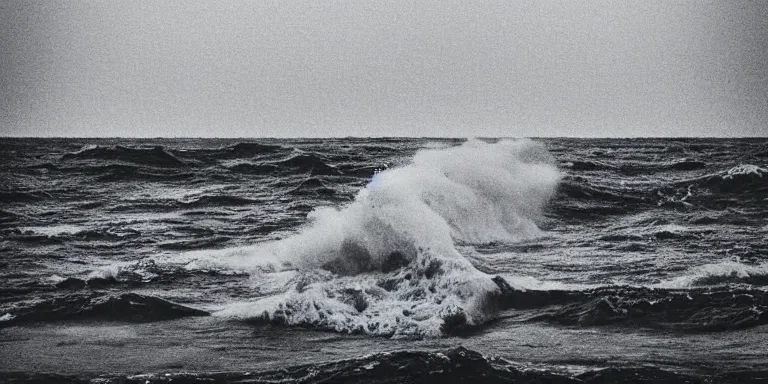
{"points": [[415, 239]]}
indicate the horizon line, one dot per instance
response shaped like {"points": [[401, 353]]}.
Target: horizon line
{"points": [[380, 137]]}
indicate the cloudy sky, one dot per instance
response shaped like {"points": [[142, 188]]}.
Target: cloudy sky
{"points": [[384, 68]]}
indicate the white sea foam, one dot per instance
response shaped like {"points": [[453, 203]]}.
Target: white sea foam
{"points": [[111, 271], [719, 273], [386, 263], [745, 169], [54, 230], [416, 300]]}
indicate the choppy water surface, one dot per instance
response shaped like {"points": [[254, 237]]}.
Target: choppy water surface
{"points": [[568, 255]]}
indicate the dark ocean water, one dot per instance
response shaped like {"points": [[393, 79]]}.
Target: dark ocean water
{"points": [[566, 259]]}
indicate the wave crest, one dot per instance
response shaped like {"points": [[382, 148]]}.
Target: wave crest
{"points": [[156, 156], [391, 251], [726, 272], [741, 178]]}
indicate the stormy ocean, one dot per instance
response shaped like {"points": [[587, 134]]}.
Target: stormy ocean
{"points": [[383, 260]]}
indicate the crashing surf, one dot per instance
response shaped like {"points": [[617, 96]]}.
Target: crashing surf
{"points": [[386, 264]]}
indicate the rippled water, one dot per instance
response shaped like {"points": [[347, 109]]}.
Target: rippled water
{"points": [[656, 246]]}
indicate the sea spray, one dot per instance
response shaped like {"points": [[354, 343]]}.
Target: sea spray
{"points": [[388, 261]]}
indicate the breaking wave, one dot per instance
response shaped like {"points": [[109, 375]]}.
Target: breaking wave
{"points": [[726, 272], [386, 264], [744, 178]]}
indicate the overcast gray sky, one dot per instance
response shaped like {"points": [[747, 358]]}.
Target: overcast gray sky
{"points": [[384, 68]]}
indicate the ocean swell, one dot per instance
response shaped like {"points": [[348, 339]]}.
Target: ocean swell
{"points": [[96, 305], [156, 156], [744, 178], [386, 264], [694, 310], [722, 273]]}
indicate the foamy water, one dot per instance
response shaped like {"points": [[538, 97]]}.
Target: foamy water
{"points": [[405, 217], [657, 245]]}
